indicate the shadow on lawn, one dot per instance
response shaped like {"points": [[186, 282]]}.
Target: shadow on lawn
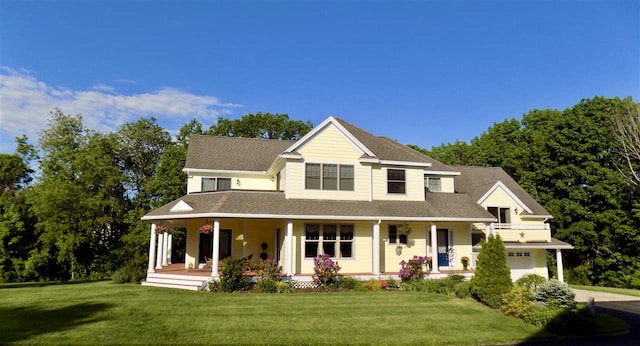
{"points": [[22, 323]]}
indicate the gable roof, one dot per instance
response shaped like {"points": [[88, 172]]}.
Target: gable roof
{"points": [[476, 181], [273, 204], [233, 153]]}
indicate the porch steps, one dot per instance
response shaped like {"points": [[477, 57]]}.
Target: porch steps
{"points": [[185, 282]]}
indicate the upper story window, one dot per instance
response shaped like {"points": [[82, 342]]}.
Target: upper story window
{"points": [[395, 237], [329, 177], [433, 184], [215, 184], [502, 214], [396, 181], [333, 240]]}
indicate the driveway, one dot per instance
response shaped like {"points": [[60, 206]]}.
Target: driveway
{"points": [[618, 305]]}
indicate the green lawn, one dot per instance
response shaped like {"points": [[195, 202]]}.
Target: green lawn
{"points": [[104, 313], [625, 291]]}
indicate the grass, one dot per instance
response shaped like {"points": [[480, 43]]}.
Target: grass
{"points": [[607, 324], [625, 291], [104, 313]]}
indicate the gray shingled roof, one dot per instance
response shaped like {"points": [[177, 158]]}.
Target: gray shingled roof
{"points": [[387, 149], [272, 204], [476, 181], [233, 153]]}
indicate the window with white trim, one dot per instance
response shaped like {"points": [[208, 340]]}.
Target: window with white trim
{"points": [[396, 237], [215, 184], [333, 240], [396, 181], [324, 176], [433, 184], [502, 214]]}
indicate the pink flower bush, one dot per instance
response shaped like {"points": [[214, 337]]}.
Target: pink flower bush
{"points": [[414, 268], [206, 228], [326, 271]]}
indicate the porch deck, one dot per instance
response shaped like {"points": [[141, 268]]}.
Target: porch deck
{"points": [[177, 276]]}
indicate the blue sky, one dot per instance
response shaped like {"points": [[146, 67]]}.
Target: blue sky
{"points": [[421, 72]]}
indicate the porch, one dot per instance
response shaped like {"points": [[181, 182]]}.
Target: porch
{"points": [[175, 275]]}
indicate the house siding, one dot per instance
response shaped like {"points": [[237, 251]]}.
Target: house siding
{"points": [[414, 187]]}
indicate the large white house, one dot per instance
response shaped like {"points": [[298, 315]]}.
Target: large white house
{"points": [[345, 192]]}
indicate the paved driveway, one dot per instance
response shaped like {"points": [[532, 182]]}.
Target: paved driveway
{"points": [[621, 306]]}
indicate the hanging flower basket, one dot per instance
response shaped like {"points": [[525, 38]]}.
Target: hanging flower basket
{"points": [[404, 229], [206, 228], [161, 229]]}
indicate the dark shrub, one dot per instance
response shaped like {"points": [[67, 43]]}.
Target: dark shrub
{"points": [[417, 285], [492, 278], [133, 271], [118, 277], [576, 321], [232, 276]]}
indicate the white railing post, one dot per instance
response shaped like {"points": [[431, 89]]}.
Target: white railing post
{"points": [[375, 249]]}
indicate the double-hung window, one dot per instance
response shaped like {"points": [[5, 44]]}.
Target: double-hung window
{"points": [[333, 240], [396, 181], [215, 184], [323, 176], [396, 237]]}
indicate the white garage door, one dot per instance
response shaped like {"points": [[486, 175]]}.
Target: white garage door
{"points": [[520, 263]]}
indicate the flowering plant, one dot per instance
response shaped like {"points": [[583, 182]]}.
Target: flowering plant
{"points": [[161, 229], [413, 269], [404, 229], [326, 270], [206, 228]]}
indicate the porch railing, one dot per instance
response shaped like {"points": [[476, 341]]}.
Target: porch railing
{"points": [[523, 226]]}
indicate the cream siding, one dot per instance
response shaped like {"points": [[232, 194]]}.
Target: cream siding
{"points": [[361, 261], [414, 180], [238, 181]]}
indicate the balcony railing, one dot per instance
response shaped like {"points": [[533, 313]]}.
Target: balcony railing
{"points": [[521, 226]]}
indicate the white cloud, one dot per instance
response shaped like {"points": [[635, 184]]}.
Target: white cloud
{"points": [[25, 103]]}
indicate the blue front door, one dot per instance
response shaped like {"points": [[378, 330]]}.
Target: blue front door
{"points": [[443, 247]]}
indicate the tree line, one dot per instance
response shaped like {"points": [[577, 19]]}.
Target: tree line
{"points": [[582, 164], [70, 205]]}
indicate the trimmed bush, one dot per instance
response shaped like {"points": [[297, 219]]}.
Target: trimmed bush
{"points": [[577, 321], [349, 283], [373, 285], [462, 290], [531, 282], [518, 302], [492, 278], [267, 286], [232, 276], [283, 287], [417, 286], [556, 294]]}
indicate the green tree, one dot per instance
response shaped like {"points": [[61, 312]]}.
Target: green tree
{"points": [[78, 201], [261, 125], [492, 278]]}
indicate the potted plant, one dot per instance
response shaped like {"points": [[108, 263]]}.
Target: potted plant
{"points": [[161, 229], [404, 229], [465, 262]]}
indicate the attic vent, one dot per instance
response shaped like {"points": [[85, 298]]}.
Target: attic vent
{"points": [[181, 206]]}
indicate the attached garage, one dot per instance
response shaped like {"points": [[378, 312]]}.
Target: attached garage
{"points": [[521, 263]]}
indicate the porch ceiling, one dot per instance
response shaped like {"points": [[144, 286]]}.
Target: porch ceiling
{"points": [[273, 204]]}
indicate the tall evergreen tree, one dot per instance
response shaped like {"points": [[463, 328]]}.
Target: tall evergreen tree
{"points": [[492, 277]]}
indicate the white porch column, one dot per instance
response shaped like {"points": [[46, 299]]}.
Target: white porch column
{"points": [[559, 265], [434, 249], [375, 249], [152, 249], [165, 238], [487, 232], [288, 250], [215, 257], [169, 247], [159, 252]]}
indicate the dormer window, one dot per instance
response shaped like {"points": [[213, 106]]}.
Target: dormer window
{"points": [[396, 181], [215, 184], [433, 184], [329, 177]]}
